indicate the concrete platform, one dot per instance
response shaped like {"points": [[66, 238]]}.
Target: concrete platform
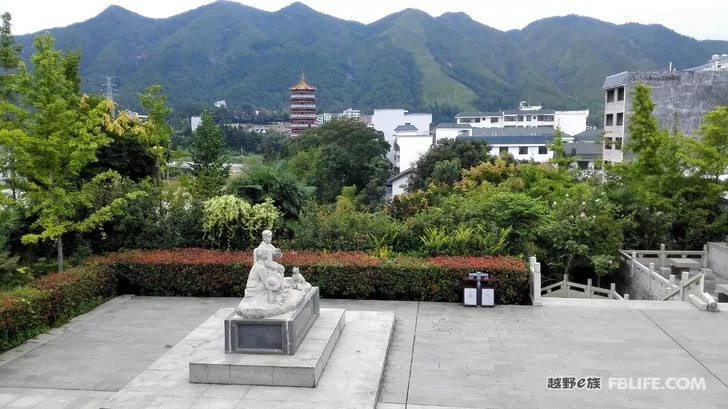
{"points": [[351, 380], [303, 369]]}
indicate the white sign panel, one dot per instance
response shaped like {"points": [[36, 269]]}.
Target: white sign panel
{"points": [[470, 296], [487, 297]]}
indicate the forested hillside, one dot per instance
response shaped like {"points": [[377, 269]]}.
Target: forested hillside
{"points": [[410, 59]]}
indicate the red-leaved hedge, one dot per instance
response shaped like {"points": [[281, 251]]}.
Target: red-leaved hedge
{"points": [[204, 273], [51, 300]]}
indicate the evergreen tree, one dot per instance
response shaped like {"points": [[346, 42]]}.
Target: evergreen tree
{"points": [[209, 158], [10, 63], [560, 159]]}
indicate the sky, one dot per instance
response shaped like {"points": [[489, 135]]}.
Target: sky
{"points": [[706, 20]]}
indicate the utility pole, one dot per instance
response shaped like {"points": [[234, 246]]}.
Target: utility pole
{"points": [[110, 91]]}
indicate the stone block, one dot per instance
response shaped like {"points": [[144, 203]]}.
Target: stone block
{"points": [[280, 335], [304, 369]]}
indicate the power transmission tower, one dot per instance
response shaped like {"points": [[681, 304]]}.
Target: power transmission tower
{"points": [[110, 91]]}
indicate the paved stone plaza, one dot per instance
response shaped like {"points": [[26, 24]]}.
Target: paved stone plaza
{"points": [[441, 355]]}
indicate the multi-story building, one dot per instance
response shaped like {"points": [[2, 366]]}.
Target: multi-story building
{"points": [[366, 120], [220, 104], [527, 116], [387, 120], [323, 118], [412, 144], [350, 113], [195, 122], [303, 106], [681, 99]]}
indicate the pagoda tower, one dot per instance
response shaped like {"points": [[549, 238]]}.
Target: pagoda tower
{"points": [[303, 106]]}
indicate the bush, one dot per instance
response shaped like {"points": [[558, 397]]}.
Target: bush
{"points": [[205, 273], [51, 300]]}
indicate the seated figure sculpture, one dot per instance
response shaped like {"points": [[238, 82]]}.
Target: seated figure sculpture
{"points": [[267, 292]]}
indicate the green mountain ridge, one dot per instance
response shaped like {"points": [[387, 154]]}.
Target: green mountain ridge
{"points": [[225, 50]]}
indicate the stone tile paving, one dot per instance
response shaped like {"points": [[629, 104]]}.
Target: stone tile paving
{"points": [[441, 356]]}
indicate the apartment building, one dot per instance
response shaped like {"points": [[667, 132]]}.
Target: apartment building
{"points": [[527, 116], [684, 96]]}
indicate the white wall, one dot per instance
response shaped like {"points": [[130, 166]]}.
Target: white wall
{"points": [[386, 120], [571, 122], [449, 133], [195, 121], [411, 148], [532, 152], [399, 184]]}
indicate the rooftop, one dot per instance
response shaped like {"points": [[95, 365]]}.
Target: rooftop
{"points": [[589, 135], [615, 80], [303, 85], [517, 131], [405, 128], [453, 126], [441, 355]]}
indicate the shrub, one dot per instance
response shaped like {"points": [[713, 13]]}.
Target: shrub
{"points": [[24, 313], [51, 300], [197, 272]]}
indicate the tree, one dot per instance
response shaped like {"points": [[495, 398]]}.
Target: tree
{"points": [[272, 181], [468, 153], [10, 63], [710, 151], [645, 137], [157, 133], [560, 159], [58, 136], [209, 158], [347, 153]]}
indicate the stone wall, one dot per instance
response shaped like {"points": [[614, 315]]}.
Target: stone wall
{"points": [[690, 95], [718, 258]]}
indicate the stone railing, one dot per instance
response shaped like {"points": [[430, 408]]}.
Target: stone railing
{"points": [[566, 288]]}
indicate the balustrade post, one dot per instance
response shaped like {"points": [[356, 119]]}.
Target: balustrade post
{"points": [[537, 282], [589, 288], [612, 290], [663, 256], [706, 255], [631, 264], [652, 268], [626, 297], [683, 279], [565, 285]]}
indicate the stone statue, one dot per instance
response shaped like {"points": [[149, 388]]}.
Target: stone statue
{"points": [[267, 292]]}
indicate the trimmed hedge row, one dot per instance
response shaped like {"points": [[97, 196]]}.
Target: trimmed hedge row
{"points": [[205, 273], [50, 301]]}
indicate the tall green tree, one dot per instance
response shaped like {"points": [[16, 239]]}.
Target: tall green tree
{"points": [[468, 154], [209, 158], [157, 135], [10, 63], [645, 137], [346, 153], [710, 150], [57, 137], [560, 159]]}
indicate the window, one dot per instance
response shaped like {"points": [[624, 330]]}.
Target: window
{"points": [[542, 150], [510, 118], [610, 96], [620, 94], [610, 120], [494, 120], [523, 150], [503, 149], [477, 119], [465, 121], [618, 143], [607, 143], [534, 117], [520, 118], [620, 119], [528, 118]]}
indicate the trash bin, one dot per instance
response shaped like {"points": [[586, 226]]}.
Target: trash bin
{"points": [[478, 290]]}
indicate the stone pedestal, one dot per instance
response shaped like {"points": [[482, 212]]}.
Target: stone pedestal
{"points": [[279, 335], [303, 369]]}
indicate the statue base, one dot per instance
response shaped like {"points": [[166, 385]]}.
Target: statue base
{"points": [[278, 335]]}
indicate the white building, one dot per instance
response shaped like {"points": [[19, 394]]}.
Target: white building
{"points": [[412, 143], [220, 104], [259, 129], [350, 113], [397, 184], [387, 120], [571, 122], [195, 122], [323, 118]]}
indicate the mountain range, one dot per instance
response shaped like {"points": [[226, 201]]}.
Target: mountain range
{"points": [[225, 50]]}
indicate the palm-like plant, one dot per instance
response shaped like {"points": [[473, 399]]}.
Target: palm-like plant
{"points": [[272, 180]]}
